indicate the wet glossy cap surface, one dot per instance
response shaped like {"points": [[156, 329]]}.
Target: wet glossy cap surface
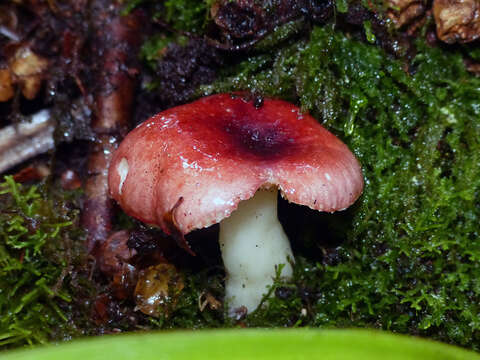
{"points": [[220, 150]]}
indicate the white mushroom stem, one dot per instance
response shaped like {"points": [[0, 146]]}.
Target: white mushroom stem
{"points": [[253, 244]]}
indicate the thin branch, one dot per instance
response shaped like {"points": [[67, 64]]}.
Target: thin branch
{"points": [[117, 39], [12, 35], [25, 140]]}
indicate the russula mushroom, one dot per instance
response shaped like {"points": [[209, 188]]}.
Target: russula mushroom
{"points": [[220, 160]]}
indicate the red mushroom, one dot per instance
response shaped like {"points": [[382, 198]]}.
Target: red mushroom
{"points": [[191, 166]]}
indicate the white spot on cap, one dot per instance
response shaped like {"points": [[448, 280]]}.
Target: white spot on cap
{"points": [[193, 165], [122, 169], [219, 201], [328, 177]]}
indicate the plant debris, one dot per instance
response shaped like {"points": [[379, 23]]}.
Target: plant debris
{"points": [[457, 21], [26, 140], [158, 288]]}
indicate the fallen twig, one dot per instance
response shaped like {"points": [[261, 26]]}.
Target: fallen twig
{"points": [[115, 45], [23, 141]]}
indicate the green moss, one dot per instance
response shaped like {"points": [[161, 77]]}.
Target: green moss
{"points": [[418, 138], [182, 15], [342, 6], [187, 15], [153, 49], [38, 243]]}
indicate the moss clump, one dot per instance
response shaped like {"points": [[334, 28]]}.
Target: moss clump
{"points": [[413, 251], [38, 245]]}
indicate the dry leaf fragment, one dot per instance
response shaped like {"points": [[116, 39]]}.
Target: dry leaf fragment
{"points": [[206, 299], [28, 67], [157, 289], [457, 20], [403, 12]]}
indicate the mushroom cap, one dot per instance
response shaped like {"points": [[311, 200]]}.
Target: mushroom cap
{"points": [[199, 160]]}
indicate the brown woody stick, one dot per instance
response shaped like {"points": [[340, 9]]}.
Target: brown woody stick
{"points": [[117, 41], [25, 140]]}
